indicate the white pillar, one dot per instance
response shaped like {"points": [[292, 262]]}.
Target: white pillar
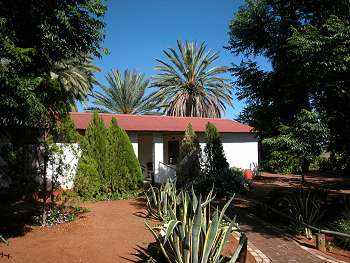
{"points": [[134, 142], [158, 153]]}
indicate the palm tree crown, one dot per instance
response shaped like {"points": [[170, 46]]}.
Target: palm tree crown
{"points": [[77, 77], [125, 94], [188, 85]]}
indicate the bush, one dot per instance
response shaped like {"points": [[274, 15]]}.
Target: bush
{"points": [[234, 182], [188, 169], [343, 225], [108, 167], [216, 172], [281, 162]]}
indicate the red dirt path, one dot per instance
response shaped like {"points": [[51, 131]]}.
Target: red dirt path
{"points": [[111, 232]]}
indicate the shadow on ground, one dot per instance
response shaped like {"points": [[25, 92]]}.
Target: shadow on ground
{"points": [[17, 217]]}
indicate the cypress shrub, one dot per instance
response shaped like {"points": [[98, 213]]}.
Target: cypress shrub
{"points": [[108, 167], [215, 161], [216, 168], [189, 168]]}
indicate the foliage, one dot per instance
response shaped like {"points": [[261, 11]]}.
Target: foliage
{"points": [[60, 214], [108, 167], [304, 140], [65, 131], [187, 85], [304, 207], [76, 77], [325, 50], [279, 160], [215, 163], [125, 94], [189, 168], [343, 225], [192, 233], [30, 52], [307, 46], [20, 176], [235, 182]]}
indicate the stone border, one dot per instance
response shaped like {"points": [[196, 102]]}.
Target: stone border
{"points": [[258, 255], [320, 254]]}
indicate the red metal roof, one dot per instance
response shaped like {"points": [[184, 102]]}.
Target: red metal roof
{"points": [[159, 123]]}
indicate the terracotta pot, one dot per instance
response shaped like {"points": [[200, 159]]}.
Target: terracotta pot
{"points": [[248, 174]]}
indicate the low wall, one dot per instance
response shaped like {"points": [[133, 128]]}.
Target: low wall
{"points": [[64, 165]]}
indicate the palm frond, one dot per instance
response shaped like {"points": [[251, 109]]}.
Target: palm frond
{"points": [[125, 94]]}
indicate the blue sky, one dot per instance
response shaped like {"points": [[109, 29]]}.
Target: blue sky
{"points": [[138, 30]]}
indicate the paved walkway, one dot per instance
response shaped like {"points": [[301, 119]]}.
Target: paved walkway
{"points": [[277, 247]]}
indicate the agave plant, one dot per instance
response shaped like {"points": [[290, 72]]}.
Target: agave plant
{"points": [[193, 234], [159, 201], [188, 84], [304, 206]]}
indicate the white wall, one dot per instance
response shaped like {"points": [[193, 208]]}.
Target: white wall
{"points": [[241, 149], [134, 143], [158, 157], [70, 157]]}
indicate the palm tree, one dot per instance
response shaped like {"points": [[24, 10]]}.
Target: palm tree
{"points": [[77, 77], [188, 85], [125, 94]]}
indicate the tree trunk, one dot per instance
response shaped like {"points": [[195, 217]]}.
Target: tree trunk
{"points": [[304, 170]]}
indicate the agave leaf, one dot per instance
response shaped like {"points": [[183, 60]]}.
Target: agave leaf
{"points": [[225, 208], [187, 248], [154, 196], [170, 228], [227, 231], [194, 200], [242, 241], [159, 242], [210, 236], [196, 232]]}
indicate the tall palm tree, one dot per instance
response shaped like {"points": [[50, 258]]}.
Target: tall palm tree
{"points": [[187, 83], [125, 94]]}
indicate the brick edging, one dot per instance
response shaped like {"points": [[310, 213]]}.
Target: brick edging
{"points": [[320, 255], [258, 255]]}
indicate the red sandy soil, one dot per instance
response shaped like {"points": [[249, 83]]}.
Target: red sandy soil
{"points": [[112, 232]]}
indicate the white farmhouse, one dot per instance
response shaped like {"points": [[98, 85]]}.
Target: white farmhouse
{"points": [[156, 139]]}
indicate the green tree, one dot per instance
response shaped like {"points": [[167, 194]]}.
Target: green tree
{"points": [[306, 43], [108, 167], [125, 94], [215, 163], [325, 51], [188, 85], [189, 167], [304, 139], [35, 37]]}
